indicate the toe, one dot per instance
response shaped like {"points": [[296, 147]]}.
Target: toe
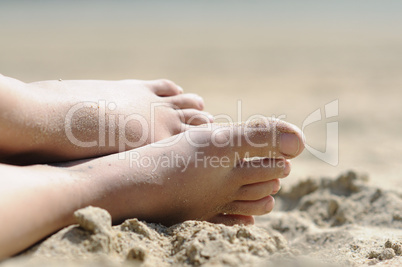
{"points": [[261, 170], [164, 87], [195, 117], [258, 190], [232, 219], [263, 137], [187, 101], [248, 208]]}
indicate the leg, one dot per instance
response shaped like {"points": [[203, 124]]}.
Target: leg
{"points": [[35, 201]]}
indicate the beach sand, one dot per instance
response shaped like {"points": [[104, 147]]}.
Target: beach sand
{"points": [[279, 61], [325, 222]]}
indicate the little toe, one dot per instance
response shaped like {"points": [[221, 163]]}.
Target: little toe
{"points": [[261, 170], [164, 87], [232, 219], [248, 208], [186, 101], [195, 117], [258, 190]]}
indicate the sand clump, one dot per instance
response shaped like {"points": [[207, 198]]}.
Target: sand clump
{"points": [[135, 242], [387, 252], [345, 200], [342, 220]]}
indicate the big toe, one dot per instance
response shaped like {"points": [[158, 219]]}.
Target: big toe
{"points": [[264, 138]]}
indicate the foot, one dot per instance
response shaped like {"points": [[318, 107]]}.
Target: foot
{"points": [[206, 173], [94, 118]]}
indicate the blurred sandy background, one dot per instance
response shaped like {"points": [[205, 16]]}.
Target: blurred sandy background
{"points": [[279, 58]]}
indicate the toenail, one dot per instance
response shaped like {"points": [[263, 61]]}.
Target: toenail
{"points": [[270, 204], [276, 189], [200, 102], [287, 168], [289, 144], [180, 89]]}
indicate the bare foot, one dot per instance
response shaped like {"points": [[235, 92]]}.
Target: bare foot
{"points": [[200, 174], [68, 120]]}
